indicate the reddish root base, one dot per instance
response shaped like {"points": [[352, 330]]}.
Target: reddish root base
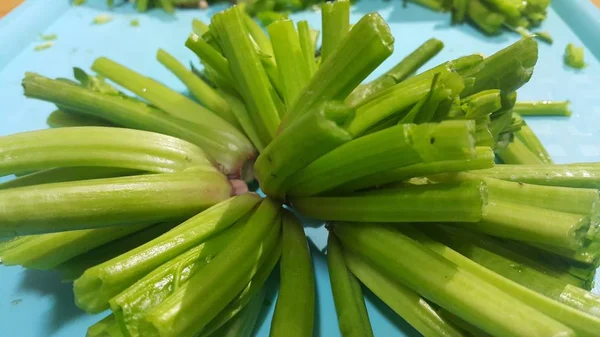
{"points": [[238, 187]]}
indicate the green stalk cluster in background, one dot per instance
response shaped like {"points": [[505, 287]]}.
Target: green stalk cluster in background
{"points": [[490, 16], [439, 198]]}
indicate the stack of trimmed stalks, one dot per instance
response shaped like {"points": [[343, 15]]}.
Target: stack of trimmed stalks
{"points": [[144, 204]]}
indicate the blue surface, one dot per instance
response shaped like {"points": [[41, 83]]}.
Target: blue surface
{"points": [[34, 304]]}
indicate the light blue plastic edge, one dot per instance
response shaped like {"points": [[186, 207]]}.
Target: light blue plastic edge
{"points": [[584, 19], [22, 25]]}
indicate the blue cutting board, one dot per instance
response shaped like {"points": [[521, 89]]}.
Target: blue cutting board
{"points": [[36, 304]]}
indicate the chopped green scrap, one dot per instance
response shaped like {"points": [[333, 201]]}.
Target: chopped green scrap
{"points": [[48, 37], [78, 2], [544, 36], [522, 31], [43, 46], [134, 23], [102, 19], [574, 56]]}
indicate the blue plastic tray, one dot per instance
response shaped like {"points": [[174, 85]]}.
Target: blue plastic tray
{"points": [[35, 304]]}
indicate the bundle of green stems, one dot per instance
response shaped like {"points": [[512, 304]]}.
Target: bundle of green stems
{"points": [[438, 196]]}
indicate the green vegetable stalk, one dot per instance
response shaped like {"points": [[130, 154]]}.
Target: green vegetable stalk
{"points": [[243, 324], [295, 308], [405, 302], [353, 319], [397, 99], [161, 96], [492, 255], [543, 108], [214, 61], [583, 324], [62, 119], [195, 303], [247, 70], [585, 175], [231, 155], [581, 299], [258, 35], [394, 147], [459, 10], [142, 5], [75, 267], [400, 72], [364, 48], [130, 305], [588, 255], [252, 290], [46, 251], [197, 87], [429, 203], [63, 174], [99, 146], [100, 283], [307, 45], [311, 136], [106, 327], [533, 143], [517, 153], [459, 291], [294, 72], [111, 201], [481, 105], [490, 22], [507, 70], [218, 134], [483, 159], [533, 224], [336, 24], [241, 113], [199, 27], [563, 199]]}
